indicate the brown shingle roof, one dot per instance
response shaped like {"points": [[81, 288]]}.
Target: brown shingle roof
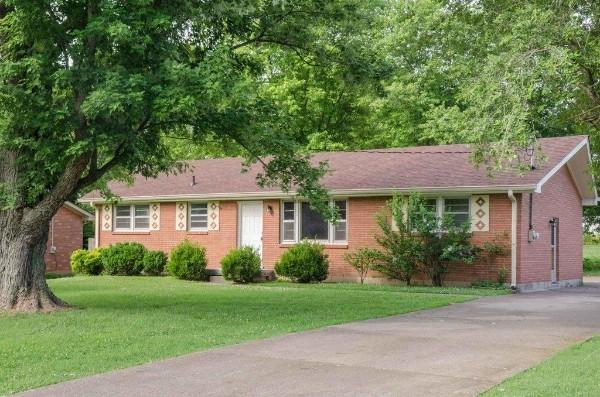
{"points": [[418, 168]]}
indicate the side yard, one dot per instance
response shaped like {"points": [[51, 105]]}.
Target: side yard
{"points": [[591, 259], [118, 322]]}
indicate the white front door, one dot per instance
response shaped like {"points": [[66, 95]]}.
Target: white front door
{"points": [[251, 225]]}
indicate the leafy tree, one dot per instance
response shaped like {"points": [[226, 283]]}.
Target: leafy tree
{"points": [[443, 242], [401, 246], [89, 90]]}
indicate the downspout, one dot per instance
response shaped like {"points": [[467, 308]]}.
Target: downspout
{"points": [[513, 241], [96, 227]]}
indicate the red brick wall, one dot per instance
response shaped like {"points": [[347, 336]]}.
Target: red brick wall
{"points": [[559, 198], [67, 228], [362, 226], [217, 243]]}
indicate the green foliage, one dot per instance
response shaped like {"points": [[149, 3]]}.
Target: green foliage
{"points": [[87, 262], [241, 265], [92, 264], [154, 263], [502, 275], [303, 263], [401, 247], [123, 259], [363, 260], [591, 264], [591, 239], [188, 261], [77, 259]]}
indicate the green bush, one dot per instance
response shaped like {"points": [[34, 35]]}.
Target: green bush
{"points": [[591, 264], [241, 265], [86, 262], [93, 263], [124, 259], [303, 263], [188, 261], [77, 259], [363, 260], [154, 263]]}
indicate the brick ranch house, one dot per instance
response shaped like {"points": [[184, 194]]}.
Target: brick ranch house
{"points": [[65, 236], [538, 215]]}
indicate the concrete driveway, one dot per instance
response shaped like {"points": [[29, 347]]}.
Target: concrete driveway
{"points": [[457, 350]]}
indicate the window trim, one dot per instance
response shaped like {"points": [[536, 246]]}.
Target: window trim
{"points": [[189, 217], [132, 218], [468, 212], [298, 220]]}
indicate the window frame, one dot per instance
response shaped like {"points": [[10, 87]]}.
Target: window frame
{"points": [[298, 220], [132, 218], [189, 217], [468, 212]]}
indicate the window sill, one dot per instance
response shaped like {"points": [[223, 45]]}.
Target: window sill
{"points": [[197, 232], [326, 245], [123, 232]]}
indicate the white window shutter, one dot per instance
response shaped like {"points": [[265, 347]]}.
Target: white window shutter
{"points": [[213, 215], [480, 213], [181, 215], [155, 216], [107, 217]]}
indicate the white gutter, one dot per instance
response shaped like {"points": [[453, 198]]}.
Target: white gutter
{"points": [[333, 192], [513, 241]]}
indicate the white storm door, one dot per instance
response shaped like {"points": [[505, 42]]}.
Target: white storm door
{"points": [[251, 225]]}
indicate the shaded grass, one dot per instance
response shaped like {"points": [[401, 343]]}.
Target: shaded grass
{"points": [[591, 260], [572, 372], [119, 322]]}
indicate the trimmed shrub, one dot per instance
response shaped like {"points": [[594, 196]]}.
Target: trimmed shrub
{"points": [[303, 263], [188, 261], [241, 265], [86, 262], [92, 264], [154, 262], [77, 259], [123, 259], [591, 264]]}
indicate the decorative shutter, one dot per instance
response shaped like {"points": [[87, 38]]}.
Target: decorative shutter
{"points": [[480, 213], [181, 216], [213, 215], [107, 213], [155, 216]]}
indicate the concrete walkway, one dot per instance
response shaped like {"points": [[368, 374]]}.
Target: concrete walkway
{"points": [[459, 350]]}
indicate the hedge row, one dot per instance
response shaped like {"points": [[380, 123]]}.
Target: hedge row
{"points": [[304, 262]]}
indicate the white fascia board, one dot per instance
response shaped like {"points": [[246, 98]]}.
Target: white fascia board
{"points": [[557, 167], [82, 212], [332, 192]]}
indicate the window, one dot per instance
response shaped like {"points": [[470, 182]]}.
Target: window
{"points": [[339, 229], [457, 209], [132, 217], [299, 221], [198, 216], [288, 221]]}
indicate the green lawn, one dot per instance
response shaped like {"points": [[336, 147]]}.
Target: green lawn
{"points": [[119, 322], [572, 372], [592, 254]]}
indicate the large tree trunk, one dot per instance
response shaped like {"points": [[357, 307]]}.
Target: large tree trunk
{"points": [[23, 285]]}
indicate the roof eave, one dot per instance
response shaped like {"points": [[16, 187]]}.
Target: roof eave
{"points": [[332, 192]]}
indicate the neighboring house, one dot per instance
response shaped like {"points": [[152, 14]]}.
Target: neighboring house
{"points": [[65, 236], [219, 207]]}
